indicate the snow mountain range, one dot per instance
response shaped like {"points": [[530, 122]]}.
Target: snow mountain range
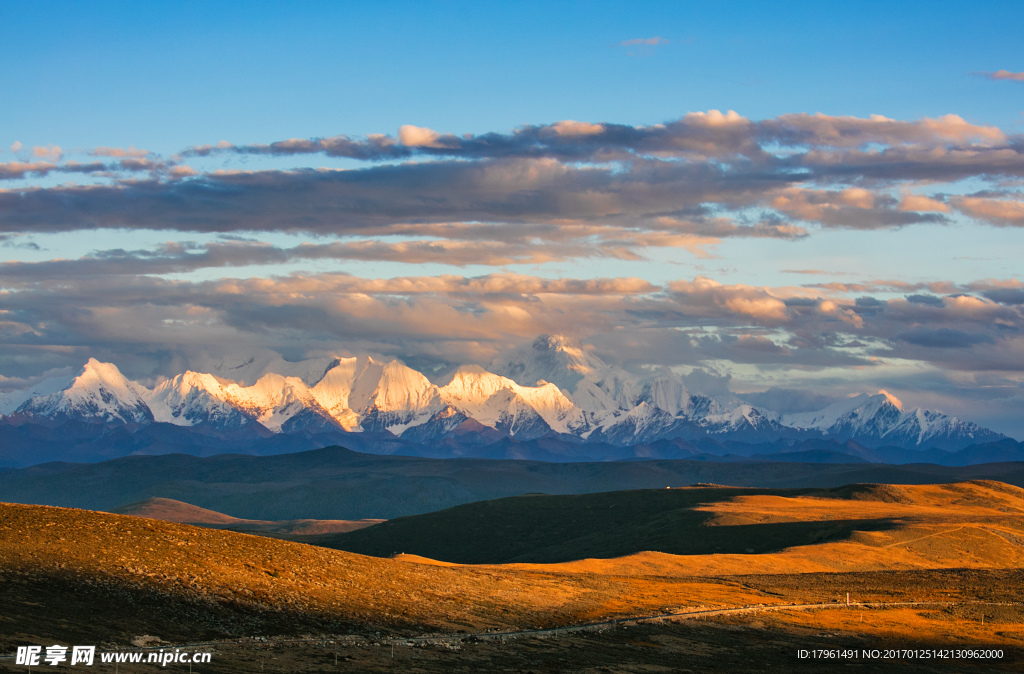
{"points": [[551, 388]]}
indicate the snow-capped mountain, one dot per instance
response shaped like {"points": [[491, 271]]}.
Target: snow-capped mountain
{"points": [[273, 401], [194, 398], [501, 403], [551, 387], [12, 400], [392, 396], [620, 408], [593, 386], [100, 392], [877, 420]]}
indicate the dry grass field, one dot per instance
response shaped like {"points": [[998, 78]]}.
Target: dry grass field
{"points": [[170, 510], [974, 525], [82, 577]]}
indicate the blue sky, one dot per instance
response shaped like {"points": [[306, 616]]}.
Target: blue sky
{"points": [[169, 75], [796, 243]]}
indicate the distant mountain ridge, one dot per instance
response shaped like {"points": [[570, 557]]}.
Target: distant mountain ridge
{"points": [[551, 388], [336, 483]]}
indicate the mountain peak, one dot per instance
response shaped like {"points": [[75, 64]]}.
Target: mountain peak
{"points": [[99, 370], [556, 341], [550, 384], [897, 403], [99, 393], [558, 359], [97, 375], [571, 348]]}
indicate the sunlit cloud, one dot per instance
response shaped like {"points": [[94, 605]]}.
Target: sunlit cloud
{"points": [[1003, 75], [964, 332], [49, 153], [1003, 212], [481, 208], [644, 41], [921, 204], [118, 152]]}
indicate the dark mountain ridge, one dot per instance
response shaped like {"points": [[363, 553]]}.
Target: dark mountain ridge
{"points": [[337, 483]]}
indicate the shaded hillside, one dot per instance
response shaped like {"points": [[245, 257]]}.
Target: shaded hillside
{"points": [[339, 484], [689, 521], [544, 529]]}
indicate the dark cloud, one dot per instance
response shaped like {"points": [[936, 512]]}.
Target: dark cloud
{"points": [[699, 134], [1005, 295], [753, 325], [406, 199], [537, 195], [16, 241], [930, 300], [374, 148], [788, 400], [701, 175], [943, 338], [708, 382]]}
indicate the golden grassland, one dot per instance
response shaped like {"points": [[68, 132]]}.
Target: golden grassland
{"points": [[81, 577], [967, 525], [170, 510]]}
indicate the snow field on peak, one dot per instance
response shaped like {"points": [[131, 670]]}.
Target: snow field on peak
{"points": [[397, 388], [188, 399], [332, 391], [486, 397], [829, 416]]}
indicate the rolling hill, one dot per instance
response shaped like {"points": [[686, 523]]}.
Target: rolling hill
{"points": [[169, 510], [260, 604], [718, 521]]}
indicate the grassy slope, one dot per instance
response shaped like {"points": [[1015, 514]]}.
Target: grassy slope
{"points": [[692, 521], [541, 528], [83, 577], [170, 510]]}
